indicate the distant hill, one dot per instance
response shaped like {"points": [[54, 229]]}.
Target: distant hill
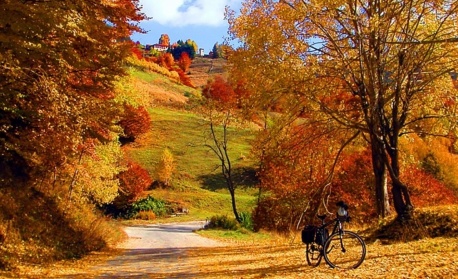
{"points": [[204, 68]]}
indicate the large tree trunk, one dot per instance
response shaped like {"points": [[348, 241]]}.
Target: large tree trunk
{"points": [[381, 189], [401, 200], [401, 196]]}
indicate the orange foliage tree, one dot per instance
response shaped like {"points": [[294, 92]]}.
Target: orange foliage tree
{"points": [[133, 182], [361, 65], [184, 62], [64, 58], [135, 121], [219, 90], [295, 173]]}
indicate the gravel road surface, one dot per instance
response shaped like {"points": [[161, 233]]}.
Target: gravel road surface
{"points": [[156, 251]]}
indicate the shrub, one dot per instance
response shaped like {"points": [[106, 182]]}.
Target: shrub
{"points": [[222, 222], [145, 215], [246, 220], [149, 204]]}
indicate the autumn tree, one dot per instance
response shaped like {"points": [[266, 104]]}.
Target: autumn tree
{"points": [[217, 51], [133, 182], [164, 39], [166, 167], [184, 62], [381, 68], [59, 62], [135, 121], [219, 110], [219, 90], [193, 44]]}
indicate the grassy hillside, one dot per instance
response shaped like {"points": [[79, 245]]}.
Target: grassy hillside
{"points": [[176, 124], [204, 68]]}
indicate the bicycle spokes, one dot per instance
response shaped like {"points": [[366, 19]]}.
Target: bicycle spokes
{"points": [[345, 250]]}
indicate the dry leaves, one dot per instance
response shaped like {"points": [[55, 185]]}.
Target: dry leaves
{"points": [[427, 258]]}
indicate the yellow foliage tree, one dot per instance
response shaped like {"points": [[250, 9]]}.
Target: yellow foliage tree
{"points": [[166, 167], [383, 69]]}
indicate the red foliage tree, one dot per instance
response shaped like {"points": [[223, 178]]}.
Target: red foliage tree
{"points": [[185, 61], [219, 90], [427, 190], [135, 122], [295, 167], [354, 184], [137, 52], [132, 183]]}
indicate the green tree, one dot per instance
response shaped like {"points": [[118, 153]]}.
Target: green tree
{"points": [[378, 67], [180, 47], [217, 51]]}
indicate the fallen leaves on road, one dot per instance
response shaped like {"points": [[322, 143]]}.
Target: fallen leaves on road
{"points": [[427, 258]]}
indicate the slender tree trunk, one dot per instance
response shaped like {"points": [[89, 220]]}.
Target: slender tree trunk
{"points": [[234, 204]]}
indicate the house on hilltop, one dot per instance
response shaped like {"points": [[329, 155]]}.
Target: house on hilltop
{"points": [[160, 47]]}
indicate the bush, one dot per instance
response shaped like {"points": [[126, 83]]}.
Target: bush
{"points": [[246, 221], [145, 215], [222, 222], [158, 207]]}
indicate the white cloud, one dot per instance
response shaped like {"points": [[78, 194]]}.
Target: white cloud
{"points": [[187, 12]]}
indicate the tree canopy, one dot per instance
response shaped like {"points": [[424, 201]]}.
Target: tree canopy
{"points": [[59, 62], [379, 69]]}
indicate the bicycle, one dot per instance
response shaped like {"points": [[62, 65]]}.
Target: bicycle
{"points": [[342, 249]]}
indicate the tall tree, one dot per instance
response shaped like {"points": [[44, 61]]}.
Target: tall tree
{"points": [[164, 40], [378, 67], [219, 110]]}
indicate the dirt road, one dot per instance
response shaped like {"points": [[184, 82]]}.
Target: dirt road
{"points": [[156, 251]]}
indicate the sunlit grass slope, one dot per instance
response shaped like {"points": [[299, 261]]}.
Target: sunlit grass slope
{"points": [[177, 125]]}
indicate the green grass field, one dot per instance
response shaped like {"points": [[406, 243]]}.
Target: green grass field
{"points": [[197, 182]]}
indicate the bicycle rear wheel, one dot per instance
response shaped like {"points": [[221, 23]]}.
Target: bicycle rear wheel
{"points": [[313, 253], [345, 251]]}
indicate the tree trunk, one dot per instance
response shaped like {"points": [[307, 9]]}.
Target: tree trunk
{"points": [[401, 200], [380, 174], [234, 205]]}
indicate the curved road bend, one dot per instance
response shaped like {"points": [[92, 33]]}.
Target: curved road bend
{"points": [[156, 251]]}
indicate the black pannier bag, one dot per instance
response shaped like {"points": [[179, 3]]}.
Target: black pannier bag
{"points": [[321, 239], [308, 234]]}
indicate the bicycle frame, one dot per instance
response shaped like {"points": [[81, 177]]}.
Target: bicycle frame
{"points": [[338, 226]]}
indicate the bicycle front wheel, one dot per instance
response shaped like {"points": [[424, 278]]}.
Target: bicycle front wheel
{"points": [[345, 250]]}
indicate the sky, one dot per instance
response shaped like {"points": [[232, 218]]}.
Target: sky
{"points": [[199, 20]]}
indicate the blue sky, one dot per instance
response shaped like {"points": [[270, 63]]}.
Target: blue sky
{"points": [[198, 20]]}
